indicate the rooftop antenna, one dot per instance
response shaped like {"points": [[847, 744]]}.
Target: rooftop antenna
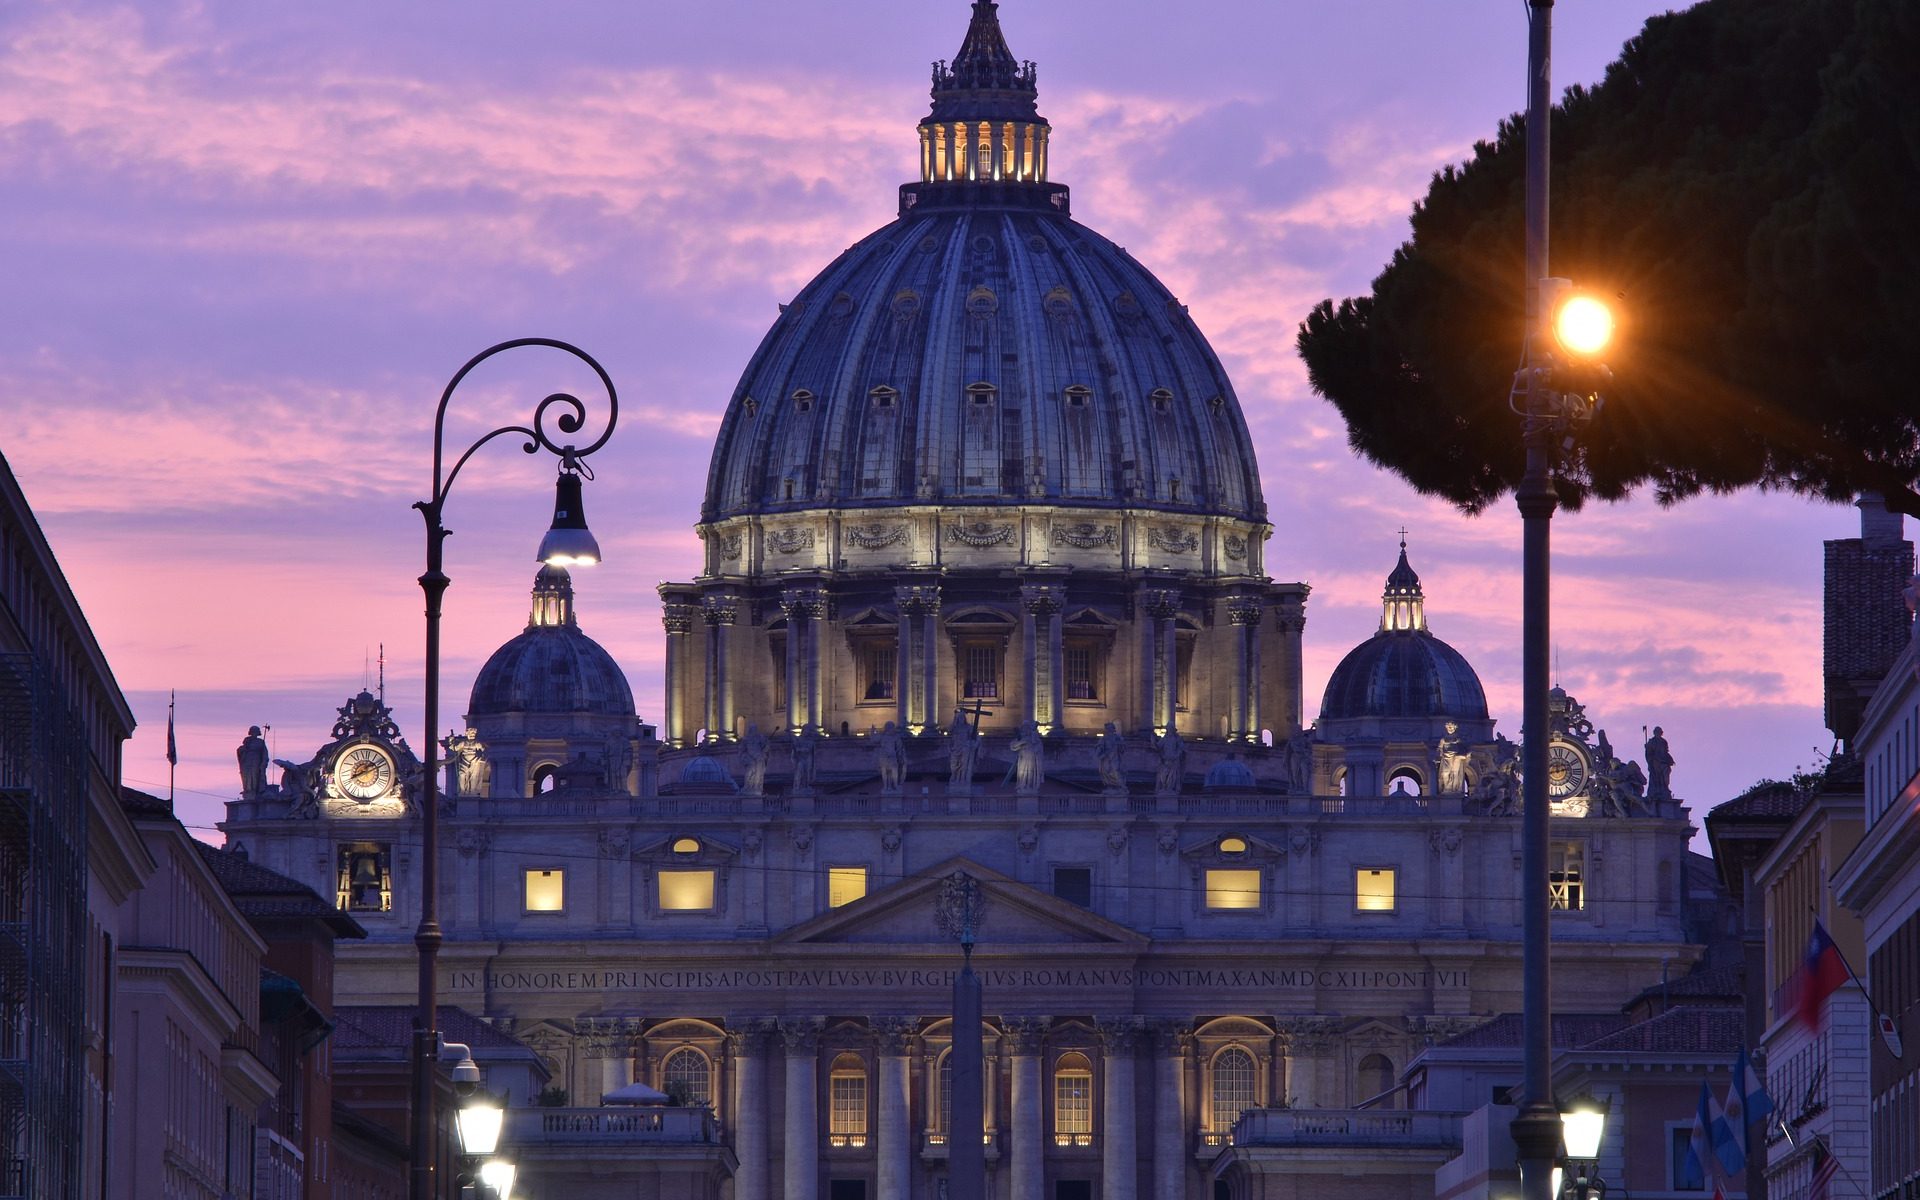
{"points": [[383, 672]]}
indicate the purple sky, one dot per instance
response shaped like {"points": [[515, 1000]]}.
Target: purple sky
{"points": [[248, 243]]}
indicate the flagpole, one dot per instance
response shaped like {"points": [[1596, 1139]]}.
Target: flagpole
{"points": [[173, 750]]}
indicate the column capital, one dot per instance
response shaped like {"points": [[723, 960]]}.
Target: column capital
{"points": [[1291, 615], [802, 1035], [751, 1036], [1306, 1035], [1120, 1035], [894, 1035], [678, 618], [1245, 610], [803, 602], [1025, 1035], [1172, 1036], [1160, 602], [917, 598], [1043, 599], [719, 610]]}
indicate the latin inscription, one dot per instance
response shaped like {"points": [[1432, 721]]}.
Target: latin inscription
{"points": [[535, 979]]}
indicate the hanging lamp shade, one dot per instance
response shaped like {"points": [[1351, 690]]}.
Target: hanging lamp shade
{"points": [[569, 543]]}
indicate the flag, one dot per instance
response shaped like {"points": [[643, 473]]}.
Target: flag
{"points": [[1822, 1186], [1700, 1164], [1729, 1133], [1746, 1101], [173, 751], [1822, 972]]}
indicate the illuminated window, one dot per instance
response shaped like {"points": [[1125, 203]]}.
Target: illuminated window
{"points": [[879, 667], [1233, 888], [546, 891], [1233, 1091], [1567, 876], [686, 891], [1233, 845], [982, 671], [847, 1100], [365, 882], [943, 1119], [687, 1077], [845, 885], [1083, 682], [686, 845], [1373, 889], [1073, 1101]]}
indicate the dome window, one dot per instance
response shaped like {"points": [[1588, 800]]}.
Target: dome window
{"points": [[883, 396], [750, 405], [803, 400], [686, 846], [981, 393], [1079, 396], [1162, 400]]}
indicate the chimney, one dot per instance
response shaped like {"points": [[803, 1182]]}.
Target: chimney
{"points": [[1866, 619]]}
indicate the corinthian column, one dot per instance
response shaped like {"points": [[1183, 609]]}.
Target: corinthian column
{"points": [[1169, 1112], [749, 1123], [1119, 1156], [719, 613], [1161, 607], [895, 1035], [802, 1149], [1025, 1037], [1041, 629], [1243, 613], [678, 619]]}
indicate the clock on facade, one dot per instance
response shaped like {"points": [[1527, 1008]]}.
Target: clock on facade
{"points": [[1567, 769], [363, 772]]}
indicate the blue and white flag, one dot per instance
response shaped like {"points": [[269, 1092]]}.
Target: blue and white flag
{"points": [[1747, 1101], [1701, 1164], [1729, 1138]]}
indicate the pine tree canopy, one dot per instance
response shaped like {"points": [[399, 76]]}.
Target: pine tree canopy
{"points": [[1743, 183]]}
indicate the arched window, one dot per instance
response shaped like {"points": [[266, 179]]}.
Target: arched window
{"points": [[1232, 1091], [1073, 1101], [687, 1077], [847, 1100], [1404, 781], [546, 777], [943, 1118], [1373, 1076]]}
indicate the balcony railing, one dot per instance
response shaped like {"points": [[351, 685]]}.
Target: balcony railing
{"points": [[1345, 1127], [609, 1126]]}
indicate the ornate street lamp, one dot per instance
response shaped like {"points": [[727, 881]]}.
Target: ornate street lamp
{"points": [[1556, 388], [497, 1174], [567, 543], [1581, 1127]]}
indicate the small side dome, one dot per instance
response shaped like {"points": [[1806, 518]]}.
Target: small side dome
{"points": [[1403, 670], [551, 667], [1227, 774]]}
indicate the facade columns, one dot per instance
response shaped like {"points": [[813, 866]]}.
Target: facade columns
{"points": [[1244, 613], [1159, 656], [1041, 604], [1119, 1156], [802, 1149], [719, 613], [749, 1122], [895, 1098], [1025, 1039], [915, 660], [804, 607], [678, 619], [1170, 1124], [1290, 620]]}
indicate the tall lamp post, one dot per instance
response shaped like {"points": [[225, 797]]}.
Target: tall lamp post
{"points": [[567, 543], [1559, 379]]}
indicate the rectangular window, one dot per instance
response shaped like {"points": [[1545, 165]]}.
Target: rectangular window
{"points": [[1073, 1108], [1080, 680], [1567, 876], [546, 891], [983, 671], [1373, 889], [847, 1120], [1683, 1169], [845, 885], [686, 891], [1238, 888], [879, 668], [1074, 885]]}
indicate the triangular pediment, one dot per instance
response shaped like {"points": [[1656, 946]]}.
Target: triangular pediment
{"points": [[904, 913]]}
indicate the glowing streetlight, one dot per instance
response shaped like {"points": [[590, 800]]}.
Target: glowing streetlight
{"points": [[1583, 325]]}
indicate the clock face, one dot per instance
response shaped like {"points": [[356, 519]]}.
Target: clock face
{"points": [[1567, 770], [364, 773]]}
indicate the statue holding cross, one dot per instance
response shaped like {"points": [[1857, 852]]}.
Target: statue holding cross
{"points": [[963, 746]]}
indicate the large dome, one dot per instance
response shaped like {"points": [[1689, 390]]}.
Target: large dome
{"points": [[984, 349], [1403, 671], [552, 667]]}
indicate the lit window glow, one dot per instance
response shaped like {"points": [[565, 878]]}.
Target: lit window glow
{"points": [[845, 885], [1233, 889], [686, 845], [686, 891], [546, 891], [1373, 890]]}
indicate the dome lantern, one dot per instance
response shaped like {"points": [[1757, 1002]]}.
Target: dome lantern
{"points": [[985, 127], [1402, 604], [552, 598]]}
